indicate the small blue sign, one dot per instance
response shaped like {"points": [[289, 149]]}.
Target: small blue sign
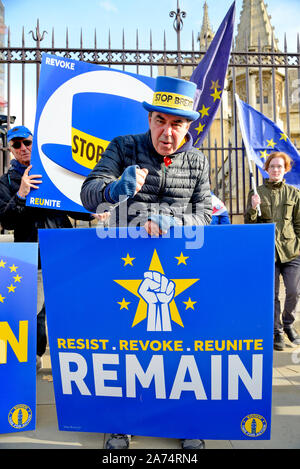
{"points": [[18, 310], [150, 338]]}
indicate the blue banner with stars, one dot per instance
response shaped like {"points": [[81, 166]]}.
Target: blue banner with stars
{"points": [[262, 137], [18, 310], [148, 337], [209, 77]]}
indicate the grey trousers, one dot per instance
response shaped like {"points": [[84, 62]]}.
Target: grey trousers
{"points": [[290, 272]]}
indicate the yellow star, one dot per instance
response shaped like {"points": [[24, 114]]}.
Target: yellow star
{"points": [[13, 268], [128, 260], [271, 143], [217, 94], [189, 304], [182, 259], [11, 288], [204, 111], [123, 304], [215, 84], [283, 137], [2, 263], [2, 298], [264, 154], [17, 278], [200, 128], [133, 285]]}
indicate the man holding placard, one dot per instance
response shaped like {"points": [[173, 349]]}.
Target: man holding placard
{"points": [[161, 177]]}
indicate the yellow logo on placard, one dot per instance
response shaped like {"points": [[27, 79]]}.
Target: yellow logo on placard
{"points": [[253, 425], [86, 149], [156, 295], [20, 416], [173, 100]]}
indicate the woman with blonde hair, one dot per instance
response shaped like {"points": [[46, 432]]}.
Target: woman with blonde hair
{"points": [[280, 204]]}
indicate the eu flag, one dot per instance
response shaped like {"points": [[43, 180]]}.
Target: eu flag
{"points": [[209, 77], [262, 137], [147, 359]]}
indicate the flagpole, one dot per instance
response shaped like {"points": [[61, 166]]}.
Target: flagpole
{"points": [[248, 151]]}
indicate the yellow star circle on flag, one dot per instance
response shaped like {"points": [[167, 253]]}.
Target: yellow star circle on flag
{"points": [[217, 94], [17, 279], [204, 111], [283, 137], [132, 285], [215, 84], [200, 128], [264, 154]]}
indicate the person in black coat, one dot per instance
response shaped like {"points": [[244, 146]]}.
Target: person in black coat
{"points": [[25, 221]]}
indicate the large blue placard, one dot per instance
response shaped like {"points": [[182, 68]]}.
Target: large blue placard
{"points": [[18, 309], [150, 338], [81, 107]]}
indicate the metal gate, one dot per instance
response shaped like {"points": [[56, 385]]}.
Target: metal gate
{"points": [[265, 78]]}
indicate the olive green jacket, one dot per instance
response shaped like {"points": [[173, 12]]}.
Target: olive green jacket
{"points": [[280, 204]]}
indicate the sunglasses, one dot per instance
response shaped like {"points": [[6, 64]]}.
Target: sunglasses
{"points": [[17, 145]]}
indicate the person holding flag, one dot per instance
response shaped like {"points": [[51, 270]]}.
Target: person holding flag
{"points": [[279, 203], [276, 201]]}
